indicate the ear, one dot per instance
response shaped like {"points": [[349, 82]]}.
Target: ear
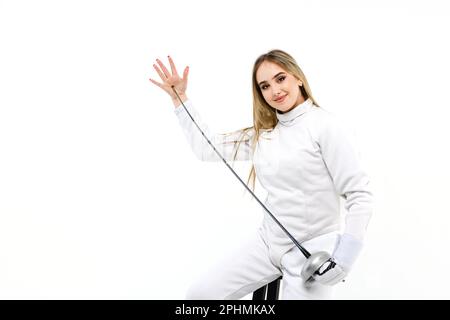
{"points": [[300, 84]]}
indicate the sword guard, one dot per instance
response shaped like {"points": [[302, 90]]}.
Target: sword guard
{"points": [[313, 263]]}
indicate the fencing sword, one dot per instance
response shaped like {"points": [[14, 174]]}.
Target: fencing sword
{"points": [[313, 261]]}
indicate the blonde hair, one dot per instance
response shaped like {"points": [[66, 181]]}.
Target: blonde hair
{"points": [[264, 116]]}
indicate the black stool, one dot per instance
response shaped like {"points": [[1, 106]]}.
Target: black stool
{"points": [[268, 292]]}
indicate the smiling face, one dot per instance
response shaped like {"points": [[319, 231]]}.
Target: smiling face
{"points": [[279, 88]]}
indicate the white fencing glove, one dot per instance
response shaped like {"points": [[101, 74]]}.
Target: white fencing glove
{"points": [[336, 269]]}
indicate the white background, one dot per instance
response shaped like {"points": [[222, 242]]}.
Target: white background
{"points": [[100, 194]]}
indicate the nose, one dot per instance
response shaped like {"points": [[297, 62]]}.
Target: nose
{"points": [[276, 92]]}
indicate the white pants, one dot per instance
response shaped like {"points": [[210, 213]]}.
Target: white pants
{"points": [[249, 268]]}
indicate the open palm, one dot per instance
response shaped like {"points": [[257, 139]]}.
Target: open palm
{"points": [[170, 79]]}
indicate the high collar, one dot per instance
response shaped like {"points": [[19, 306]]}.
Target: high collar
{"points": [[287, 117]]}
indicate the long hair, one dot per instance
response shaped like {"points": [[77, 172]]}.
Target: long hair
{"points": [[264, 116]]}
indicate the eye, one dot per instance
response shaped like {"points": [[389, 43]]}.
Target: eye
{"points": [[279, 79]]}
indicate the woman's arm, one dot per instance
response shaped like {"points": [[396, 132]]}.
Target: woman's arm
{"points": [[225, 144], [351, 181]]}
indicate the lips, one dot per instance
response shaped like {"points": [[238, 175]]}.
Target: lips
{"points": [[281, 99]]}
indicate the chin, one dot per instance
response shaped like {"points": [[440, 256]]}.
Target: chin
{"points": [[291, 106]]}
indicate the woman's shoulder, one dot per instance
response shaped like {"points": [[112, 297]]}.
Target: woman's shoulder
{"points": [[321, 112], [318, 117], [325, 116], [322, 121]]}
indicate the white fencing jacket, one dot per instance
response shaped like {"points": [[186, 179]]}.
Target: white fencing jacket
{"points": [[306, 164]]}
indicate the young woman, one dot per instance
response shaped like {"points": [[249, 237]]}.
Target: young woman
{"points": [[304, 158]]}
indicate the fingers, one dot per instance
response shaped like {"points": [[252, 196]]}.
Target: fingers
{"points": [[157, 83], [164, 69], [161, 75], [172, 66], [168, 78], [185, 73]]}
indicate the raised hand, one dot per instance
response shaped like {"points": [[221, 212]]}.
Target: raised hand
{"points": [[170, 79]]}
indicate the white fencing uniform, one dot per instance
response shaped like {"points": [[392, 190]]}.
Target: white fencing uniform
{"points": [[306, 163]]}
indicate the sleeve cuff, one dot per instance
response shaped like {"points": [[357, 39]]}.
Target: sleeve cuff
{"points": [[347, 251], [180, 109]]}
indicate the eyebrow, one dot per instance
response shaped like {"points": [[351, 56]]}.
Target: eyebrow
{"points": [[273, 77]]}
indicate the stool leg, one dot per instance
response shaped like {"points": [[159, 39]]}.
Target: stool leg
{"points": [[260, 294], [268, 292], [273, 289]]}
